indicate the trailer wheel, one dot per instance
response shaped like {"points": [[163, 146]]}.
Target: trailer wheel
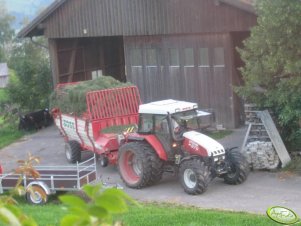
{"points": [[36, 195], [73, 151], [238, 169], [194, 176], [139, 165]]}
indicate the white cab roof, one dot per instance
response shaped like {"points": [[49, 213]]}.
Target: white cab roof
{"points": [[166, 106]]}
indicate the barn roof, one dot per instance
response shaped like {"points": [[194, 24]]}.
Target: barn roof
{"points": [[36, 26], [3, 69]]}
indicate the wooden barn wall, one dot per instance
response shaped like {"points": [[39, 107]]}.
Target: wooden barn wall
{"points": [[79, 59], [237, 39], [187, 67], [90, 18]]}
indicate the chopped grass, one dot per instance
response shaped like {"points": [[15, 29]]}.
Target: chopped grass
{"points": [[157, 214]]}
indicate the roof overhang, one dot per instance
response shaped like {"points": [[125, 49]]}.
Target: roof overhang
{"points": [[246, 5], [36, 26]]}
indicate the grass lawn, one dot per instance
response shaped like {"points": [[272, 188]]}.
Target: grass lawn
{"points": [[8, 133], [218, 134], [157, 214]]}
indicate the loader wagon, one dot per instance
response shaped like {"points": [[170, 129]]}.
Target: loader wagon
{"points": [[108, 108]]}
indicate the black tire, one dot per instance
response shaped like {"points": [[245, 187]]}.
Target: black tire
{"points": [[36, 195], [238, 169], [73, 151], [139, 165], [194, 176]]}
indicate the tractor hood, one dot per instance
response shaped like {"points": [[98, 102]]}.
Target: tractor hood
{"points": [[200, 141]]}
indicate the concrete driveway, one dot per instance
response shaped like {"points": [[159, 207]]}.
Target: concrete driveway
{"points": [[260, 191]]}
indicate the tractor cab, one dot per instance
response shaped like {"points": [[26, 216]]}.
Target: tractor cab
{"points": [[169, 120], [176, 124]]}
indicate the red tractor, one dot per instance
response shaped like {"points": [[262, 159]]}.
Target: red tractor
{"points": [[167, 139]]}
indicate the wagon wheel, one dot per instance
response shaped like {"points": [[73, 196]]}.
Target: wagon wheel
{"points": [[36, 195], [73, 151]]}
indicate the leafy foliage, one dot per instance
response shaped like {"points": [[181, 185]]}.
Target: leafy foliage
{"points": [[272, 71], [10, 214], [103, 204], [72, 98], [6, 31], [30, 82]]}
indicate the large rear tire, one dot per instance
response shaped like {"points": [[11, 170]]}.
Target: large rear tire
{"points": [[73, 151], [238, 167], [139, 165], [194, 176]]}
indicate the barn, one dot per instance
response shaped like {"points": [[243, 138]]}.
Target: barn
{"points": [[169, 48], [4, 75]]}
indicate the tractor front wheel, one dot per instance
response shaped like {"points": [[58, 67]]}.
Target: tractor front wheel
{"points": [[194, 176], [73, 151], [139, 165], [238, 167]]}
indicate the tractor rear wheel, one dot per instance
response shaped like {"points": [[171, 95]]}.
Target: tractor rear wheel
{"points": [[194, 176], [73, 151], [238, 169], [139, 165]]}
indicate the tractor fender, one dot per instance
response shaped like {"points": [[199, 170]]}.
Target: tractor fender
{"points": [[153, 141], [43, 185]]}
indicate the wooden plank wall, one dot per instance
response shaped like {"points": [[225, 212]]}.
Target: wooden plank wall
{"points": [[209, 86], [92, 18]]}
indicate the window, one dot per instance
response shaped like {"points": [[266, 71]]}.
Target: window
{"points": [[136, 57], [146, 123], [219, 59], [174, 59], [188, 57], [203, 57], [151, 57], [96, 74]]}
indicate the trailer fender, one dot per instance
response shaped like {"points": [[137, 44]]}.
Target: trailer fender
{"points": [[43, 185]]}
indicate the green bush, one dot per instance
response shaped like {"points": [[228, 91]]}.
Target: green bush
{"points": [[272, 71]]}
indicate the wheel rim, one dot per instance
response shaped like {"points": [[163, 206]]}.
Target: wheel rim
{"points": [[68, 151], [190, 178], [232, 172], [36, 198], [131, 167]]}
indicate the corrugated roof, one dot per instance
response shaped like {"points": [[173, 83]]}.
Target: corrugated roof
{"points": [[35, 27], [3, 69]]}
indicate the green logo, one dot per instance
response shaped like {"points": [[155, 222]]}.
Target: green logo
{"points": [[68, 124], [282, 215]]}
